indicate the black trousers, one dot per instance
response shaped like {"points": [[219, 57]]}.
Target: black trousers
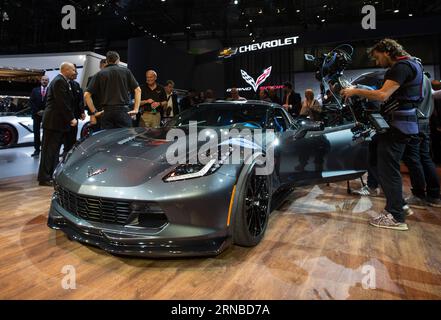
{"points": [[50, 153], [116, 117], [422, 170], [37, 127], [70, 139], [372, 179], [390, 149]]}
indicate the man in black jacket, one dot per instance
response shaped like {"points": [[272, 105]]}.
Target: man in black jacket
{"points": [[78, 110], [172, 107], [292, 101], [37, 102], [58, 118], [97, 102]]}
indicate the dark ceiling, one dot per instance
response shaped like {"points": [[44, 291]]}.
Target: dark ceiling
{"points": [[35, 26]]}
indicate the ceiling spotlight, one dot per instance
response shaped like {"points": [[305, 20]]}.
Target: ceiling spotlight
{"points": [[236, 2], [410, 14], [251, 20], [396, 11], [251, 34], [298, 10]]}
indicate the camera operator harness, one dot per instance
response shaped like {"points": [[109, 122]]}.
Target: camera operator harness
{"points": [[399, 112]]}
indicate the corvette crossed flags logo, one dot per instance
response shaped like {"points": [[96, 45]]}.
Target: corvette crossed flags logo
{"points": [[261, 79]]}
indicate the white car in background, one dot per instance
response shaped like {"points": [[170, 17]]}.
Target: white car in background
{"points": [[17, 128]]}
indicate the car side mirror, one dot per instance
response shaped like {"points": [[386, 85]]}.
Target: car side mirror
{"points": [[309, 57], [309, 126]]}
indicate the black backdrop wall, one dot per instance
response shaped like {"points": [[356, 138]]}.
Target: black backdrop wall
{"points": [[420, 36], [168, 62]]}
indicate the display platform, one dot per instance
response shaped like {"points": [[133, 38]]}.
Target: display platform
{"points": [[318, 246]]}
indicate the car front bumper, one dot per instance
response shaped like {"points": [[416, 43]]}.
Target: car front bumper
{"points": [[170, 241]]}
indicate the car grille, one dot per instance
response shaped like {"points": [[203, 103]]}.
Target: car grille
{"points": [[111, 210]]}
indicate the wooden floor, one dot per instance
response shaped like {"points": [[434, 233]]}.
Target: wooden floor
{"points": [[318, 246]]}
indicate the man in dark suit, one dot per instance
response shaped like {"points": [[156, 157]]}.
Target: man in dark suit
{"points": [[292, 101], [78, 110], [37, 103], [97, 101], [58, 118], [172, 107]]}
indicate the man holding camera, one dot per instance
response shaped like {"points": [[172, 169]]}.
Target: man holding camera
{"points": [[402, 89]]}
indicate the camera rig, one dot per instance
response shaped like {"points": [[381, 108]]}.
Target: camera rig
{"points": [[330, 69]]}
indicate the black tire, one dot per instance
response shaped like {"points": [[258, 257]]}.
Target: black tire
{"points": [[8, 136], [253, 210], [85, 131]]}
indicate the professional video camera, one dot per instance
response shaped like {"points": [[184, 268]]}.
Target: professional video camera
{"points": [[330, 70]]}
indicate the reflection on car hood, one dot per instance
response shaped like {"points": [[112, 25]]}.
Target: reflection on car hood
{"points": [[134, 143], [123, 158]]}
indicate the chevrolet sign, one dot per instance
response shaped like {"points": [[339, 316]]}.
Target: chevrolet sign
{"points": [[227, 53]]}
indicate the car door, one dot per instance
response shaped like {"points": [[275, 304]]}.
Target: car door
{"points": [[311, 153]]}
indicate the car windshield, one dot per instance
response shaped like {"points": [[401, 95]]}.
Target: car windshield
{"points": [[24, 113], [223, 115]]}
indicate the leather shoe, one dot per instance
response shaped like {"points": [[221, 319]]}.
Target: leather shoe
{"points": [[35, 154], [46, 183]]}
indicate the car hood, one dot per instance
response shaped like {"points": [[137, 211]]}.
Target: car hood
{"points": [[118, 158], [122, 158]]}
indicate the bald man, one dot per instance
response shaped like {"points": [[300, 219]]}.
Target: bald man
{"points": [[37, 102], [58, 118], [153, 101]]}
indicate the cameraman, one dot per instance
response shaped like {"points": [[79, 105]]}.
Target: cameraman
{"points": [[403, 83]]}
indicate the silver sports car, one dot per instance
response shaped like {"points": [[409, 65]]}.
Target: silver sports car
{"points": [[17, 128], [117, 190]]}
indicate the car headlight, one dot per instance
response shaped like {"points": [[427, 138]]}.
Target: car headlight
{"points": [[192, 171]]}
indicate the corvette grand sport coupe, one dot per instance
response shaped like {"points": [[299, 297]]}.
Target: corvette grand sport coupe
{"points": [[17, 128], [118, 191]]}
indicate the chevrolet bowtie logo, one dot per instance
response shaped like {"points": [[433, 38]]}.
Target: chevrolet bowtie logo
{"points": [[92, 172], [227, 53]]}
